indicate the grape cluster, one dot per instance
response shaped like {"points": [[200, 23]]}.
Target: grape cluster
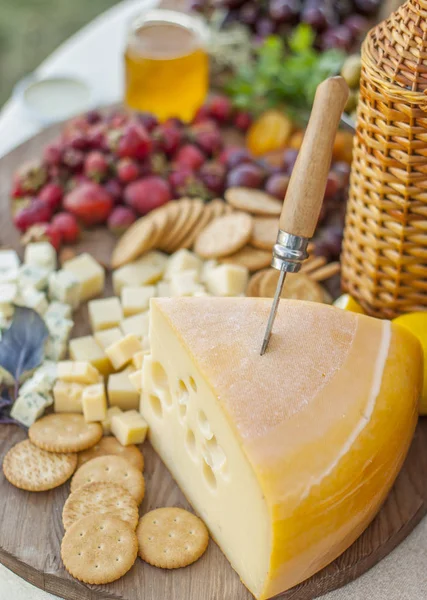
{"points": [[338, 23]]}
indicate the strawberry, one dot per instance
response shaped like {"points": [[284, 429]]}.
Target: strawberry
{"points": [[143, 195], [121, 219], [132, 141], [67, 226], [189, 156], [220, 108], [90, 203], [167, 138], [95, 165], [51, 193], [52, 154], [127, 170], [29, 179]]}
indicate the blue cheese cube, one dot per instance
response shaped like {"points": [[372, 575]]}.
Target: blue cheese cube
{"points": [[41, 254], [8, 294], [55, 348], [32, 298], [59, 327], [8, 260], [58, 309], [65, 287], [49, 369], [38, 383], [33, 276], [29, 407]]}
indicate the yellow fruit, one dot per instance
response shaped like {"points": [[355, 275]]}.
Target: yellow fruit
{"points": [[416, 323], [271, 131], [346, 302]]}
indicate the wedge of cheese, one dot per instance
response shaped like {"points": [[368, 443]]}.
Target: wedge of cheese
{"points": [[287, 457]]}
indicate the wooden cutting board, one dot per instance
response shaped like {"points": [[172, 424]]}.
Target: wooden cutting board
{"points": [[31, 529]]}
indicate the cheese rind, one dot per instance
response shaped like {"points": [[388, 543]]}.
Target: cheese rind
{"points": [[309, 438]]}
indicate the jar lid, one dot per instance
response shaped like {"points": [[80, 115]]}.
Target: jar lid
{"points": [[54, 98]]}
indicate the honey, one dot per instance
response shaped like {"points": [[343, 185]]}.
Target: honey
{"points": [[166, 66]]}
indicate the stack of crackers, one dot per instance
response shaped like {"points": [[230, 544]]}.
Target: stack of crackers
{"points": [[103, 531], [241, 231]]}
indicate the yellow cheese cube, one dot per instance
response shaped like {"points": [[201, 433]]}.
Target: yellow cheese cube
{"points": [[138, 325], [94, 403], [227, 280], [106, 337], [129, 430], [138, 359], [143, 271], [89, 272], [105, 313], [68, 397], [121, 353], [87, 349], [121, 392], [77, 372], [136, 299], [136, 379], [106, 423]]}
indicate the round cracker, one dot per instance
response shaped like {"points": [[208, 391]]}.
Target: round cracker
{"points": [[184, 211], [100, 498], [205, 218], [251, 258], [111, 469], [297, 286], [161, 218], [253, 201], [99, 549], [134, 242], [264, 234], [109, 445], [197, 209], [253, 289], [171, 538], [64, 432], [30, 468], [224, 235], [219, 207]]}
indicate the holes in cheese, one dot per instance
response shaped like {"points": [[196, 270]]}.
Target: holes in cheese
{"points": [[301, 436], [160, 381], [183, 398], [156, 405]]}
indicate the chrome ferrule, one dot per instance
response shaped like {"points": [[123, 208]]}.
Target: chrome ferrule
{"points": [[289, 252]]}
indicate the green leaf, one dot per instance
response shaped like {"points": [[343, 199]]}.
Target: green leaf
{"points": [[22, 344], [301, 39]]}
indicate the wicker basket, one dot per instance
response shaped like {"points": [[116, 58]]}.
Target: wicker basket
{"points": [[384, 260]]}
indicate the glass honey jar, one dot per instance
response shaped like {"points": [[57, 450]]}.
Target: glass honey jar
{"points": [[166, 64]]}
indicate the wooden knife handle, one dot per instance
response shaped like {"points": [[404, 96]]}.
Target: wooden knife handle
{"points": [[307, 185]]}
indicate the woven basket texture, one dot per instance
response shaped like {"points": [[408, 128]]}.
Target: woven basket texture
{"points": [[384, 259]]}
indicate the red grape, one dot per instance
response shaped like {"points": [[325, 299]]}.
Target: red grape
{"points": [[276, 185], [246, 175], [284, 11]]}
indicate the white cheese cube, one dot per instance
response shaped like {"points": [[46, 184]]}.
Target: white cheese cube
{"points": [[58, 309], [89, 273], [227, 280], [65, 287], [185, 283], [33, 276], [138, 325], [94, 403], [105, 313], [8, 260], [208, 265], [32, 298], [183, 260], [136, 299], [41, 254], [28, 407], [144, 271], [163, 289]]}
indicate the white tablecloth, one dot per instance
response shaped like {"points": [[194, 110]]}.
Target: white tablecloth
{"points": [[95, 53]]}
